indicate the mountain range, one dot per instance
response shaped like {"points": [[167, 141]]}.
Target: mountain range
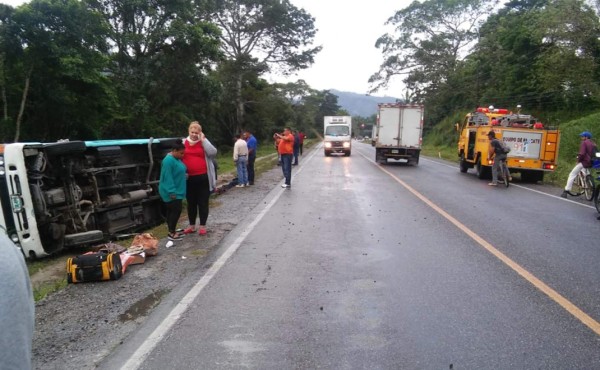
{"points": [[360, 104]]}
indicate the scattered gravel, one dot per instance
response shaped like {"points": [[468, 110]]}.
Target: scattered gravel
{"points": [[78, 326]]}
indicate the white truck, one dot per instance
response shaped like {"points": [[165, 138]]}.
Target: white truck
{"points": [[398, 132], [337, 135]]}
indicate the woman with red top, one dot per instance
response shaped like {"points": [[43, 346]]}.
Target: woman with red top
{"points": [[198, 158]]}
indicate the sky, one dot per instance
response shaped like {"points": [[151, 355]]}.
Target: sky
{"points": [[347, 31]]}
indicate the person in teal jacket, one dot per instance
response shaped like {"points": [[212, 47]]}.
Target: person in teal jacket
{"points": [[172, 186]]}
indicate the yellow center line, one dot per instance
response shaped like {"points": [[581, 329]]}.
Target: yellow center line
{"points": [[553, 294]]}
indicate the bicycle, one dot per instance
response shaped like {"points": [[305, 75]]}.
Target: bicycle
{"points": [[505, 173], [584, 184]]}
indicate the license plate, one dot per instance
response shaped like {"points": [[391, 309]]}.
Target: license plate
{"points": [[394, 151], [17, 205]]}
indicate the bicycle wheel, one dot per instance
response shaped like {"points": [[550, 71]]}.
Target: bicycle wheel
{"points": [[505, 174], [577, 188], [597, 198], [589, 187]]}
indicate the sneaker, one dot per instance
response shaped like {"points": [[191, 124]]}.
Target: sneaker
{"points": [[247, 185], [202, 232], [564, 194], [493, 184], [239, 186], [189, 230], [175, 237], [285, 186]]}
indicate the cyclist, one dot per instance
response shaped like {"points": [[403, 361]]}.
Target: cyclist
{"points": [[584, 160], [499, 156]]}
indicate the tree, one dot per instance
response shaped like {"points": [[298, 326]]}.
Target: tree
{"points": [[55, 49], [263, 35], [161, 62], [431, 37]]}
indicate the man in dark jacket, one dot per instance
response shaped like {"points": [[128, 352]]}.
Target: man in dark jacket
{"points": [[497, 153], [584, 160]]}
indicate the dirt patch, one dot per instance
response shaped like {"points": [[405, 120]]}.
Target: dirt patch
{"points": [[54, 270]]}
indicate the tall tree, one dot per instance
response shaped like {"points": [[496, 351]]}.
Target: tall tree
{"points": [[55, 48], [430, 38], [263, 35], [161, 62]]}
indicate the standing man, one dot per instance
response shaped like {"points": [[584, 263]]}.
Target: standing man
{"points": [[302, 136], [584, 160], [498, 154], [252, 147], [240, 158], [285, 149]]}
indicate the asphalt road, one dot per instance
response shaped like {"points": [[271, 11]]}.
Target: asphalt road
{"points": [[361, 266]]}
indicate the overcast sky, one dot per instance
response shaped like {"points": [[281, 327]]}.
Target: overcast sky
{"points": [[347, 31]]}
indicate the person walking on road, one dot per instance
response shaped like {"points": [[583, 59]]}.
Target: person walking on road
{"points": [[240, 158], [495, 151], [252, 147], [584, 160], [172, 187], [198, 158], [286, 152]]}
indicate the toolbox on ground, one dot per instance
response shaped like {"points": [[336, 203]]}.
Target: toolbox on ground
{"points": [[98, 266]]}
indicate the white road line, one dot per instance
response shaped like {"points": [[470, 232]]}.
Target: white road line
{"points": [[519, 186], [537, 283], [142, 352]]}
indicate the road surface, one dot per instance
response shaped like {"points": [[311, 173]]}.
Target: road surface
{"points": [[360, 265]]}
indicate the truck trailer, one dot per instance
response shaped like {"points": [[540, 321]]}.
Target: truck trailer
{"points": [[397, 134]]}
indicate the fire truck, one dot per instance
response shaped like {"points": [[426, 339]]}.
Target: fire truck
{"points": [[534, 147]]}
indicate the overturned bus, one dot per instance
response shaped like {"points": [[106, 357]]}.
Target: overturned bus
{"points": [[73, 193]]}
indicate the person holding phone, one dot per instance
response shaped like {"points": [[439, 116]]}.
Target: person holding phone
{"points": [[198, 158]]}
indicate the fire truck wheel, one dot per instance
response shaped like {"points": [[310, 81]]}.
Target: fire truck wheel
{"points": [[463, 164]]}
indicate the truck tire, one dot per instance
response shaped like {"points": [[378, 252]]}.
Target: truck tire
{"points": [[463, 166], [347, 154], [327, 154]]}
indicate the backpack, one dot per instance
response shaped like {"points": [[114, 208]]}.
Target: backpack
{"points": [[594, 152], [504, 147]]}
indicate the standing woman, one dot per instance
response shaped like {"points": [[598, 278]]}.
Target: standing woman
{"points": [[171, 187], [198, 158]]}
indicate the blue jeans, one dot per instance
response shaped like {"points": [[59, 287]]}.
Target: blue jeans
{"points": [[251, 160], [242, 170], [286, 166]]}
